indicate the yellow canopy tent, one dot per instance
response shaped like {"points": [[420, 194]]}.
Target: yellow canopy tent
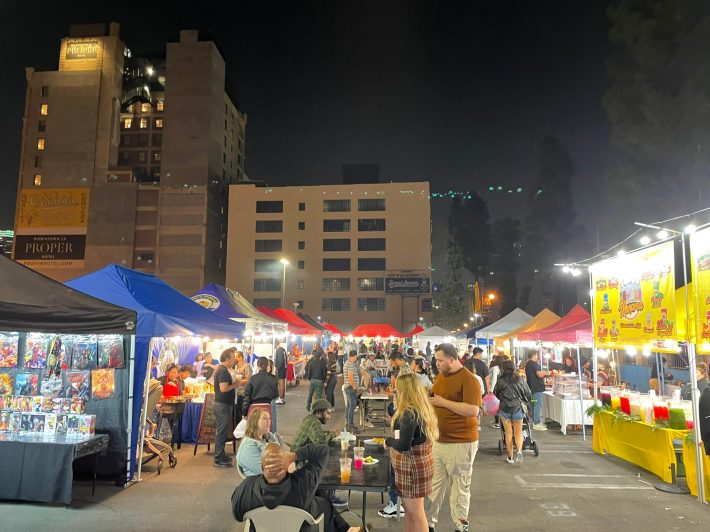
{"points": [[542, 319]]}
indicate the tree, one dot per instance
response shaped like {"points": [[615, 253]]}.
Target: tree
{"points": [[450, 304], [505, 262], [470, 232], [658, 104]]}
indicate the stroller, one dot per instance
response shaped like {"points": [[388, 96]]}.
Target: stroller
{"points": [[528, 441], [152, 446]]}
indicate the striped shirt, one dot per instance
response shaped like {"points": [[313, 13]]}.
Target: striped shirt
{"points": [[351, 367]]}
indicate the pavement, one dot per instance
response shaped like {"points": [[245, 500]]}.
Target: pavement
{"points": [[567, 487]]}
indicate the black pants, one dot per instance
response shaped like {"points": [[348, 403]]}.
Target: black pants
{"points": [[222, 415], [330, 391], [332, 520]]}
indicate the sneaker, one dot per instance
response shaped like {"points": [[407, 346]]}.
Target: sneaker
{"points": [[390, 511], [222, 464], [337, 502], [280, 401], [495, 425], [509, 460], [519, 457], [540, 426], [369, 425], [462, 526]]}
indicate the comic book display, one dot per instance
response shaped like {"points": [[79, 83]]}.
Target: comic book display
{"points": [[76, 384], [27, 383], [9, 345], [45, 415], [84, 352], [37, 348], [111, 351], [102, 383]]}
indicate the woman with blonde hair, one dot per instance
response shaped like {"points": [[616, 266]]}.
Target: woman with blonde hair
{"points": [[416, 428], [256, 438]]}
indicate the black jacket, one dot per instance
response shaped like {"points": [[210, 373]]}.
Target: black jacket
{"points": [[297, 489], [261, 388], [512, 394], [316, 368]]}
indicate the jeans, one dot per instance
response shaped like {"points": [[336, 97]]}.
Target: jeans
{"points": [[453, 466], [222, 415], [537, 407], [330, 391], [341, 361], [351, 394], [315, 388]]}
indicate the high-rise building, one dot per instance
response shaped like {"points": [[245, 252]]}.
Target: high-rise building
{"points": [[128, 160], [6, 239], [357, 253]]}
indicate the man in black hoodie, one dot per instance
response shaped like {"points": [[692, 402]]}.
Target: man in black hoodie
{"points": [[277, 487], [316, 371]]}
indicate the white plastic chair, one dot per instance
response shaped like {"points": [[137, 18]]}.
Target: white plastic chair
{"points": [[280, 519]]}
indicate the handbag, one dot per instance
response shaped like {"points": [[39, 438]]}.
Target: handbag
{"points": [[240, 429]]}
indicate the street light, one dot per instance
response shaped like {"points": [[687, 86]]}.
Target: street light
{"points": [[285, 263], [491, 296]]}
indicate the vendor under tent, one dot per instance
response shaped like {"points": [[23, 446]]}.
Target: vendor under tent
{"points": [[33, 306], [434, 335], [375, 330], [506, 324], [162, 311]]}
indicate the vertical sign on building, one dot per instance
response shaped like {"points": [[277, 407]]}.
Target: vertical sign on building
{"points": [[51, 227]]}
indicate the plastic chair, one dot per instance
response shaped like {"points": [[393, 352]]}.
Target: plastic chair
{"points": [[280, 519], [240, 472]]}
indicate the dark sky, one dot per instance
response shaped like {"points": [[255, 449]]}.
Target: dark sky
{"points": [[459, 93]]}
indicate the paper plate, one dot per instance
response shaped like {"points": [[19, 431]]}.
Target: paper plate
{"points": [[372, 441], [374, 461]]}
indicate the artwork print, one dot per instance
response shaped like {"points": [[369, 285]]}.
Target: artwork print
{"points": [[9, 343], [84, 352], [102, 383], [37, 350], [111, 353]]}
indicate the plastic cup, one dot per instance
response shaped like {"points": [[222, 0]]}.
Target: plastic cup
{"points": [[358, 457], [344, 437], [345, 464]]}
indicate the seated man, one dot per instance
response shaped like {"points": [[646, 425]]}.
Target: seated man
{"points": [[277, 487]]}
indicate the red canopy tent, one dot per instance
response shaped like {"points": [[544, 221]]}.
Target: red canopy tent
{"points": [[373, 330], [332, 328], [413, 332], [574, 327], [295, 324]]}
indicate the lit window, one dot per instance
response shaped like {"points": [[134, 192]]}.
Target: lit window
{"points": [[40, 144], [156, 155], [145, 108], [127, 123], [38, 180], [158, 122], [44, 109], [160, 105], [144, 123]]}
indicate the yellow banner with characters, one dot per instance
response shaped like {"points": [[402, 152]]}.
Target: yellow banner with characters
{"points": [[634, 300], [700, 267]]}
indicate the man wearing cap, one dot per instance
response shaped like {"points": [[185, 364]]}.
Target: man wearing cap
{"points": [[398, 367]]}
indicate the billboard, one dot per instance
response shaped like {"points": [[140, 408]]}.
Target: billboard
{"points": [[407, 284], [700, 266]]}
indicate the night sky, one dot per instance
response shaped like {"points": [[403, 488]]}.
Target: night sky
{"points": [[459, 93]]}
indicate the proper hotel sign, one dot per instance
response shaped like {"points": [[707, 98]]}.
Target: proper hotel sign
{"points": [[50, 227]]}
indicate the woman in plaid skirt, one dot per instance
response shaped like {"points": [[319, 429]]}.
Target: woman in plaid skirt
{"points": [[415, 426]]}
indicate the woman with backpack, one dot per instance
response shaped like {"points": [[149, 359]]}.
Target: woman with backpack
{"points": [[514, 396]]}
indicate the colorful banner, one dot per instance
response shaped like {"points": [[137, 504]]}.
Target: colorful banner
{"points": [[634, 300], [700, 268]]}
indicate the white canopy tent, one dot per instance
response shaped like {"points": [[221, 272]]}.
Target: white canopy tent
{"points": [[435, 335], [508, 323]]}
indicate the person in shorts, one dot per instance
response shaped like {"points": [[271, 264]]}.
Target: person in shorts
{"points": [[514, 395]]}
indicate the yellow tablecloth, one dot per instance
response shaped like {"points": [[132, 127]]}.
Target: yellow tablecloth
{"points": [[690, 470], [637, 443]]}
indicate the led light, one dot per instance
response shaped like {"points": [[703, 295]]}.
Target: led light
{"points": [[565, 269], [646, 351], [602, 353], [645, 241], [662, 234], [620, 253], [592, 292], [631, 350], [576, 272], [690, 229]]}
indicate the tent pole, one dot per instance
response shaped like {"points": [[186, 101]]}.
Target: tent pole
{"points": [[144, 410], [581, 396], [659, 368], [131, 357], [594, 337]]}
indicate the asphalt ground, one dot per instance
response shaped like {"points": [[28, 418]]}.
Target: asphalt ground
{"points": [[567, 487]]}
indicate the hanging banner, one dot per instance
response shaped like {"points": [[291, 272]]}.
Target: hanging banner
{"points": [[700, 267], [634, 300]]}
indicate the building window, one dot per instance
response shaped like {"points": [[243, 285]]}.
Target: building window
{"points": [[371, 205], [157, 138], [145, 108], [141, 156], [42, 126], [301, 206], [271, 246], [127, 123], [336, 265], [371, 244], [269, 226], [336, 226], [369, 265], [299, 304], [301, 244], [426, 305], [301, 265], [300, 284], [269, 206], [156, 156], [45, 91], [267, 285], [38, 180], [158, 123], [371, 304], [371, 284], [301, 226], [336, 244], [335, 304], [126, 140], [160, 105], [270, 302], [44, 109], [335, 284], [144, 123], [40, 144], [38, 161], [267, 265], [335, 205], [371, 224]]}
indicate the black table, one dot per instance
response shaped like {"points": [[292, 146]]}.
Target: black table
{"points": [[371, 478], [34, 468]]}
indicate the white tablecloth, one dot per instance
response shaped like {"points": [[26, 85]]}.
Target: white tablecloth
{"points": [[565, 411]]}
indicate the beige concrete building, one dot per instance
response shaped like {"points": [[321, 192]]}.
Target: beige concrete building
{"points": [[356, 253], [128, 160]]}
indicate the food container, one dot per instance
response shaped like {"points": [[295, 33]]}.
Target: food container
{"points": [[676, 416], [660, 409]]}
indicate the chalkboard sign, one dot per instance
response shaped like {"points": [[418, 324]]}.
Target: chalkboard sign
{"points": [[208, 424]]}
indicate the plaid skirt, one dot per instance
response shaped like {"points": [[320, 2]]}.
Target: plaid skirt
{"points": [[413, 470]]}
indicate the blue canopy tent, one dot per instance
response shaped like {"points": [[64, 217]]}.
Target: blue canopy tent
{"points": [[162, 311], [214, 297]]}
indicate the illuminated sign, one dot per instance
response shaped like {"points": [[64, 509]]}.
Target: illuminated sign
{"points": [[50, 247], [82, 50], [396, 284]]}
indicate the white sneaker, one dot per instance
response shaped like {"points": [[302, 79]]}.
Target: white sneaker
{"points": [[390, 511], [369, 425], [519, 457], [280, 401], [509, 460], [540, 426]]}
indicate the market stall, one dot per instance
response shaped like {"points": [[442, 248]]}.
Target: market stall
{"points": [[65, 365], [434, 336], [375, 330], [507, 342], [162, 312], [506, 324]]}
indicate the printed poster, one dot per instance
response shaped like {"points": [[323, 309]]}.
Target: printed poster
{"points": [[102, 383], [634, 300], [8, 349], [700, 267]]}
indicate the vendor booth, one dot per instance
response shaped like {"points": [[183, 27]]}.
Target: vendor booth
{"points": [[506, 324], [163, 312], [66, 360], [375, 330], [433, 335], [507, 342]]}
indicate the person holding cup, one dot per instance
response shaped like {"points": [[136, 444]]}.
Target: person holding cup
{"points": [[416, 428]]}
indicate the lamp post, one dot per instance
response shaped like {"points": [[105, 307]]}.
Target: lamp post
{"points": [[284, 263]]}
